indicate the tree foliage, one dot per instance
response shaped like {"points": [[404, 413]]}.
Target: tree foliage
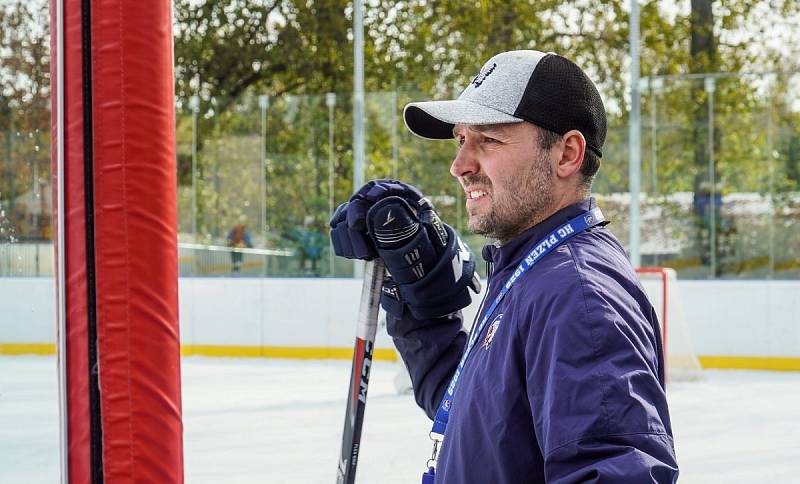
{"points": [[227, 53], [24, 117]]}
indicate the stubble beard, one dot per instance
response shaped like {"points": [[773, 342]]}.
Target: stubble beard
{"points": [[526, 200]]}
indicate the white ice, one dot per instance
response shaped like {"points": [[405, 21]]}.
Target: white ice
{"points": [[278, 421]]}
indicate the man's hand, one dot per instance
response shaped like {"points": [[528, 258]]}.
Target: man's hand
{"points": [[430, 268], [349, 223]]}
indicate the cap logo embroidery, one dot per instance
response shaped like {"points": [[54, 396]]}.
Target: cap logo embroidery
{"points": [[482, 75]]}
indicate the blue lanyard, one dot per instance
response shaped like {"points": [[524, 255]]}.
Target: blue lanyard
{"points": [[545, 246]]}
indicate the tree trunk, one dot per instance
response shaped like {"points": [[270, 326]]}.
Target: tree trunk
{"points": [[502, 29], [703, 50]]}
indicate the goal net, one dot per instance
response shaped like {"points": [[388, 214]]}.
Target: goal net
{"points": [[661, 286]]}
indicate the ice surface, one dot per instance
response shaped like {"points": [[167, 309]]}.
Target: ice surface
{"points": [[278, 421]]}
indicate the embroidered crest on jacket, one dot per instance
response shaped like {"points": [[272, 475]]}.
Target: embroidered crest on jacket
{"points": [[487, 341]]}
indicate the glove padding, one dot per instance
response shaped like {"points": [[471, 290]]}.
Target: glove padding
{"points": [[349, 222], [430, 268]]}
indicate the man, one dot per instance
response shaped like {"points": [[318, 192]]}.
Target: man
{"points": [[563, 378], [239, 238]]}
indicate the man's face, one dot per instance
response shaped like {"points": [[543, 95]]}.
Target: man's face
{"points": [[507, 178]]}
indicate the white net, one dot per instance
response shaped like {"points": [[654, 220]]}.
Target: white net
{"points": [[661, 285]]}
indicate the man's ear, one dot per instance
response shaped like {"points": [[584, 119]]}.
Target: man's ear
{"points": [[572, 154]]}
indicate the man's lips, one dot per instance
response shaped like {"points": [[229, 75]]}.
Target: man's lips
{"points": [[476, 197], [475, 193]]}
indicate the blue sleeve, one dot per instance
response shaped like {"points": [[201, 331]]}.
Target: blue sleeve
{"points": [[593, 377], [430, 350], [611, 459]]}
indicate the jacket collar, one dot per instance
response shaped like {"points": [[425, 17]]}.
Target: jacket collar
{"points": [[514, 250]]}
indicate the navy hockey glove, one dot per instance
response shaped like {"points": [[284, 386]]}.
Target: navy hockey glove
{"points": [[349, 222], [430, 269]]}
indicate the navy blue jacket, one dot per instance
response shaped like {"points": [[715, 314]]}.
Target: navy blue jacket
{"points": [[566, 387]]}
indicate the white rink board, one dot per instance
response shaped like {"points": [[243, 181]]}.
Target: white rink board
{"points": [[27, 310], [732, 318], [271, 312], [747, 318]]}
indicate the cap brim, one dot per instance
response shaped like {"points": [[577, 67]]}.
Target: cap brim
{"points": [[435, 119]]}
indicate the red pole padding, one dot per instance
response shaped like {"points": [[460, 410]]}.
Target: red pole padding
{"points": [[134, 281], [136, 240], [74, 278]]}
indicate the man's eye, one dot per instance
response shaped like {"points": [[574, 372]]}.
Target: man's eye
{"points": [[486, 139], [460, 140]]}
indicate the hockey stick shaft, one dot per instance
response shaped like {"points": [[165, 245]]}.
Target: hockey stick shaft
{"points": [[359, 376]]}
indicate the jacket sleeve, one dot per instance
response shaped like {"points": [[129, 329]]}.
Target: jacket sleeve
{"points": [[597, 400], [430, 350]]}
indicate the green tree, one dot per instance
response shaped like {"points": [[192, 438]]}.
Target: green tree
{"points": [[24, 113], [430, 49]]}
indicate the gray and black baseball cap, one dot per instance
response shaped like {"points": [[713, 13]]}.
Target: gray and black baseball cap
{"points": [[545, 89]]}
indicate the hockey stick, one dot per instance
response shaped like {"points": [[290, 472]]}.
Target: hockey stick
{"points": [[359, 376]]}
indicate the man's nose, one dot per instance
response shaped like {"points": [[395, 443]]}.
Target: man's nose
{"points": [[465, 162]]}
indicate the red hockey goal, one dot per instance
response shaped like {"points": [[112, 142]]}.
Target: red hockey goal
{"points": [[661, 285]]}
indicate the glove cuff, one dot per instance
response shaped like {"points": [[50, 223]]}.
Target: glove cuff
{"points": [[444, 290]]}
